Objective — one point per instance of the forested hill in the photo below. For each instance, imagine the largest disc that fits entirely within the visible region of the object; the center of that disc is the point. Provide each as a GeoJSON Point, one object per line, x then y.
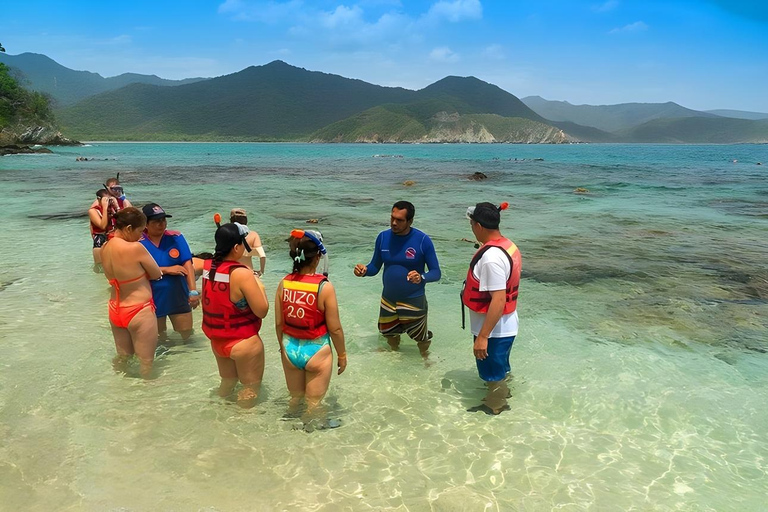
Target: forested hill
{"type": "Point", "coordinates": [271, 102]}
{"type": "Point", "coordinates": [67, 86]}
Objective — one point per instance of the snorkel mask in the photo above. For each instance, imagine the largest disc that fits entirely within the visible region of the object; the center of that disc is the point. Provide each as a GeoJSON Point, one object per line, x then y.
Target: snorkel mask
{"type": "Point", "coordinates": [243, 229]}
{"type": "Point", "coordinates": [116, 189]}
{"type": "Point", "coordinates": [317, 238]}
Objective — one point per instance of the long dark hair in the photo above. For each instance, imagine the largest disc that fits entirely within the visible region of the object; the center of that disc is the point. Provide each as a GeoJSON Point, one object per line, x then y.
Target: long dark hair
{"type": "Point", "coordinates": [302, 252]}
{"type": "Point", "coordinates": [227, 237]}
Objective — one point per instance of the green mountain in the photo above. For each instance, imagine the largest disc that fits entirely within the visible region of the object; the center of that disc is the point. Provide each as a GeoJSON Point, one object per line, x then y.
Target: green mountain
{"type": "Point", "coordinates": [739, 114]}
{"type": "Point", "coordinates": [437, 120]}
{"type": "Point", "coordinates": [700, 130]}
{"type": "Point", "coordinates": [481, 96]}
{"type": "Point", "coordinates": [67, 86]}
{"type": "Point", "coordinates": [609, 118]}
{"type": "Point", "coordinates": [281, 102]}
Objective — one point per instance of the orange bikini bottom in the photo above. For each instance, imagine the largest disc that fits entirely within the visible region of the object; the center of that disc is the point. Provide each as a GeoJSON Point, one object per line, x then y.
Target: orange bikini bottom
{"type": "Point", "coordinates": [121, 316]}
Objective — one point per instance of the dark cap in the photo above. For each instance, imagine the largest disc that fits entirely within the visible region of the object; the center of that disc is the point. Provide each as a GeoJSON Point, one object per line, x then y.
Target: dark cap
{"type": "Point", "coordinates": [154, 211]}
{"type": "Point", "coordinates": [485, 214]}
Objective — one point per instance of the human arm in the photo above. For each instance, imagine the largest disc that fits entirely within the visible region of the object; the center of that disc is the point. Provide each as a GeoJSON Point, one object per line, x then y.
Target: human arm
{"type": "Point", "coordinates": [279, 314]}
{"type": "Point", "coordinates": [375, 265]}
{"type": "Point", "coordinates": [194, 298]}
{"type": "Point", "coordinates": [100, 218]}
{"type": "Point", "coordinates": [252, 290]}
{"type": "Point", "coordinates": [147, 262]}
{"type": "Point", "coordinates": [126, 203]}
{"type": "Point", "coordinates": [433, 273]}
{"type": "Point", "coordinates": [255, 243]}
{"type": "Point", "coordinates": [492, 317]}
{"type": "Point", "coordinates": [329, 305]}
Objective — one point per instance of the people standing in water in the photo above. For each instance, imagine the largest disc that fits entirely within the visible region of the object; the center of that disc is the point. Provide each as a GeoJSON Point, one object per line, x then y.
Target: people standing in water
{"type": "Point", "coordinates": [102, 219]}
{"type": "Point", "coordinates": [404, 251]}
{"type": "Point", "coordinates": [490, 293]}
{"type": "Point", "coordinates": [234, 304]}
{"type": "Point", "coordinates": [129, 268]}
{"type": "Point", "coordinates": [306, 321]}
{"type": "Point", "coordinates": [112, 185]}
{"type": "Point", "coordinates": [254, 241]}
{"type": "Point", "coordinates": [176, 295]}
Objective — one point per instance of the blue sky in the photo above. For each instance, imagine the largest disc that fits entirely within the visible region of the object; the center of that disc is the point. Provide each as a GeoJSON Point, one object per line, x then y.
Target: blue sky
{"type": "Point", "coordinates": [703, 54]}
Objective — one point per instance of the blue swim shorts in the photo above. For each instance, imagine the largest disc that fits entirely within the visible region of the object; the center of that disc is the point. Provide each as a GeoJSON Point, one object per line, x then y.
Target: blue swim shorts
{"type": "Point", "coordinates": [496, 366]}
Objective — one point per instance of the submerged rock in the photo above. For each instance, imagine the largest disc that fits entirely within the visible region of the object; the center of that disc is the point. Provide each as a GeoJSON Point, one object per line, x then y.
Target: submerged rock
{"type": "Point", "coordinates": [478, 176]}
{"type": "Point", "coordinates": [409, 183]}
{"type": "Point", "coordinates": [581, 190]}
{"type": "Point", "coordinates": [17, 149]}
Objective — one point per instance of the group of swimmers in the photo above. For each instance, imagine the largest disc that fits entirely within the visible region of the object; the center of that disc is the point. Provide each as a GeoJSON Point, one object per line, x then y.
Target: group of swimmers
{"type": "Point", "coordinates": [153, 276]}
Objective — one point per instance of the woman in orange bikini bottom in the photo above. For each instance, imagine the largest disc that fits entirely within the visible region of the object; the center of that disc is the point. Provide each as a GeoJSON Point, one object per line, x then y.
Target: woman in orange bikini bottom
{"type": "Point", "coordinates": [121, 316]}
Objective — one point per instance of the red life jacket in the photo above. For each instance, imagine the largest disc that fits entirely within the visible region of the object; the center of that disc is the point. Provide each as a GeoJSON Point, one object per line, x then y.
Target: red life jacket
{"type": "Point", "coordinates": [478, 301]}
{"type": "Point", "coordinates": [96, 230]}
{"type": "Point", "coordinates": [222, 320]}
{"type": "Point", "coordinates": [301, 317]}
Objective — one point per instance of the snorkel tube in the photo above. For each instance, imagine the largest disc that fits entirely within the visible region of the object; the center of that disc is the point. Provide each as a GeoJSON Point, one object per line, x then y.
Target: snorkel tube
{"type": "Point", "coordinates": [243, 229]}
{"type": "Point", "coordinates": [317, 238]}
{"type": "Point", "coordinates": [217, 219]}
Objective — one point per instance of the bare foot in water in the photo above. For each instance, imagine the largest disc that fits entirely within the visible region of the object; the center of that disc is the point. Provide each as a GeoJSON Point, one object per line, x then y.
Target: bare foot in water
{"type": "Point", "coordinates": [394, 342]}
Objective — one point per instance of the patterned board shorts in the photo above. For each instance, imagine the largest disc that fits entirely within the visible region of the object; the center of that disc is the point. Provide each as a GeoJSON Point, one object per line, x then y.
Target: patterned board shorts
{"type": "Point", "coordinates": [396, 317]}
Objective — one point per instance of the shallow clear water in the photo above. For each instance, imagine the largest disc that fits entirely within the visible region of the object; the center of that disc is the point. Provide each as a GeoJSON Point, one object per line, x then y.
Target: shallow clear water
{"type": "Point", "coordinates": [640, 377]}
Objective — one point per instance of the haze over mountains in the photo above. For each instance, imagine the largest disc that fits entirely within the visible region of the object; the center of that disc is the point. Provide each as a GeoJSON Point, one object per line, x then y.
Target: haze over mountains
{"type": "Point", "coordinates": [280, 102]}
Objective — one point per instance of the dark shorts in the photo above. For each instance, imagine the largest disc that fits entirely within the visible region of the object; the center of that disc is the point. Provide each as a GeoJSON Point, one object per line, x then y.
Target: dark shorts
{"type": "Point", "coordinates": [397, 317]}
{"type": "Point", "coordinates": [496, 366]}
{"type": "Point", "coordinates": [99, 240]}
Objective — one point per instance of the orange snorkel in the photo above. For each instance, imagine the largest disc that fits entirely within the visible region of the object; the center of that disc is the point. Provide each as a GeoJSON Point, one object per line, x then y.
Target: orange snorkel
{"type": "Point", "coordinates": [217, 219]}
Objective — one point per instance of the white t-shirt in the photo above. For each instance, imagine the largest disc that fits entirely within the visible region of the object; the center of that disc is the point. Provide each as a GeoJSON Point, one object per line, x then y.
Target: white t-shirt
{"type": "Point", "coordinates": [492, 271]}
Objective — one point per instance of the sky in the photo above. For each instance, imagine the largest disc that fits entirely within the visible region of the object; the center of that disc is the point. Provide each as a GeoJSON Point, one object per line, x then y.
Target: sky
{"type": "Point", "coordinates": [705, 54]}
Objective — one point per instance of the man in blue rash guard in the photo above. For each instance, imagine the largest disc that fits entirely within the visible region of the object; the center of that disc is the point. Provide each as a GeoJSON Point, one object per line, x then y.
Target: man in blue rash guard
{"type": "Point", "coordinates": [404, 251]}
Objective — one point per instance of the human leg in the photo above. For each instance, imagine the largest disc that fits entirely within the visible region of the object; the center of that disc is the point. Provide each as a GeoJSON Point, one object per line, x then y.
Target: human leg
{"type": "Point", "coordinates": [493, 370]}
{"type": "Point", "coordinates": [318, 377]}
{"type": "Point", "coordinates": [123, 347]}
{"type": "Point", "coordinates": [182, 324]}
{"type": "Point", "coordinates": [295, 380]}
{"type": "Point", "coordinates": [413, 318]}
{"type": "Point", "coordinates": [228, 374]}
{"type": "Point", "coordinates": [162, 328]}
{"type": "Point", "coordinates": [249, 359]}
{"type": "Point", "coordinates": [143, 330]}
{"type": "Point", "coordinates": [389, 323]}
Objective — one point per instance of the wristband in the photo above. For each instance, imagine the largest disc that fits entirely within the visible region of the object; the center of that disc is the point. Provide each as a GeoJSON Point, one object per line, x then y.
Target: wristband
{"type": "Point", "coordinates": [423, 278]}
{"type": "Point", "coordinates": [194, 293]}
{"type": "Point", "coordinates": [342, 356]}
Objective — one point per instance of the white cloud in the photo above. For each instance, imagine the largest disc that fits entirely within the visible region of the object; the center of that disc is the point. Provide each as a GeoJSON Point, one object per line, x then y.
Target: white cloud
{"type": "Point", "coordinates": [119, 40]}
{"type": "Point", "coordinates": [606, 6]}
{"type": "Point", "coordinates": [457, 10]}
{"type": "Point", "coordinates": [443, 54]}
{"type": "Point", "coordinates": [637, 26]}
{"type": "Point", "coordinates": [342, 16]}
{"type": "Point", "coordinates": [494, 52]}
{"type": "Point", "coordinates": [264, 12]}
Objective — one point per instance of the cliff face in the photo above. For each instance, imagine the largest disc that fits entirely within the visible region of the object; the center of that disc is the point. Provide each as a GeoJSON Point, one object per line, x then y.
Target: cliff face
{"type": "Point", "coordinates": [45, 135]}
{"type": "Point", "coordinates": [446, 127]}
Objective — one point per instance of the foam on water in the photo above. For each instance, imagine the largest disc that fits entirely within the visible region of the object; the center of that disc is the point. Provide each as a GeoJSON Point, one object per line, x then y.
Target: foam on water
{"type": "Point", "coordinates": [639, 372]}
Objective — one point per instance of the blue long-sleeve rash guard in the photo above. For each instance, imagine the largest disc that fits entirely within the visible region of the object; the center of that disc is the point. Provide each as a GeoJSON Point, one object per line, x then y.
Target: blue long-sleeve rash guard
{"type": "Point", "coordinates": [400, 255]}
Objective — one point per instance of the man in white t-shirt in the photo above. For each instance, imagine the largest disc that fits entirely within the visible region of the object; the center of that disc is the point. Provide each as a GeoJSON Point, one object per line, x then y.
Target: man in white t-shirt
{"type": "Point", "coordinates": [490, 293]}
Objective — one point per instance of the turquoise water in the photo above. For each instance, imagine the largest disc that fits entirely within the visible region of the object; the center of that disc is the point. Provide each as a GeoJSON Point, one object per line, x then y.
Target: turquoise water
{"type": "Point", "coordinates": [640, 371]}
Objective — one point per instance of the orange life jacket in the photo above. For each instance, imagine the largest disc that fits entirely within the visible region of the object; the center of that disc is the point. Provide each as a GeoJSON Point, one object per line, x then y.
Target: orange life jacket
{"type": "Point", "coordinates": [301, 316]}
{"type": "Point", "coordinates": [478, 301]}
